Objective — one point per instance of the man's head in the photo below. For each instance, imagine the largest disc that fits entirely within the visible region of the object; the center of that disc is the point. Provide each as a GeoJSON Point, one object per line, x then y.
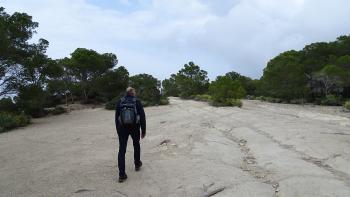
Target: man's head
{"type": "Point", "coordinates": [130, 91]}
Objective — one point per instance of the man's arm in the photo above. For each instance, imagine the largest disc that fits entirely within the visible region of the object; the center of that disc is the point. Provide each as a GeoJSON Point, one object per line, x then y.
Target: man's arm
{"type": "Point", "coordinates": [142, 114]}
{"type": "Point", "coordinates": [117, 114]}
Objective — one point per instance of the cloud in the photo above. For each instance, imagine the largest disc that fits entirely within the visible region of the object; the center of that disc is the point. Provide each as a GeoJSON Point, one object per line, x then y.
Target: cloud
{"type": "Point", "coordinates": [158, 36]}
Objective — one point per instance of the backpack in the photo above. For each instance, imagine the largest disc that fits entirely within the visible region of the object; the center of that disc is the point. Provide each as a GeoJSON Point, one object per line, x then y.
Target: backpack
{"type": "Point", "coordinates": [128, 112]}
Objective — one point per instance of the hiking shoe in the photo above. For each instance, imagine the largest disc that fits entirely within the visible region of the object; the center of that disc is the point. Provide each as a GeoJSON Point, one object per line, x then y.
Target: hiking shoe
{"type": "Point", "coordinates": [122, 178]}
{"type": "Point", "coordinates": [137, 167]}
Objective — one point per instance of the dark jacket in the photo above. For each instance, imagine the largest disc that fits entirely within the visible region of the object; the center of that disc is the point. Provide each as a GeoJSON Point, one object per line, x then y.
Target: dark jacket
{"type": "Point", "coordinates": [140, 112]}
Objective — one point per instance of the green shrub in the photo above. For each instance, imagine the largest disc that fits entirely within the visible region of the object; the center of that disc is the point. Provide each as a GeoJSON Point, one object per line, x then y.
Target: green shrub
{"type": "Point", "coordinates": [224, 88]}
{"type": "Point", "coordinates": [185, 96]}
{"type": "Point", "coordinates": [251, 97]}
{"type": "Point", "coordinates": [203, 97]}
{"type": "Point", "coordinates": [7, 105]}
{"type": "Point", "coordinates": [145, 103]}
{"type": "Point", "coordinates": [59, 110]}
{"type": "Point", "coordinates": [347, 105]}
{"type": "Point", "coordinates": [235, 102]}
{"type": "Point", "coordinates": [112, 104]}
{"type": "Point", "coordinates": [31, 99]}
{"type": "Point", "coordinates": [228, 102]}
{"type": "Point", "coordinates": [164, 101]}
{"type": "Point", "coordinates": [10, 121]}
{"type": "Point", "coordinates": [149, 103]}
{"type": "Point", "coordinates": [297, 101]}
{"type": "Point", "coordinates": [261, 98]}
{"type": "Point", "coordinates": [272, 100]}
{"type": "Point", "coordinates": [331, 100]}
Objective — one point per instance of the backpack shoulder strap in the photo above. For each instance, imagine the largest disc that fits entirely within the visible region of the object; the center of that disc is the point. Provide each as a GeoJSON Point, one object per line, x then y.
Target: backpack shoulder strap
{"type": "Point", "coordinates": [135, 104]}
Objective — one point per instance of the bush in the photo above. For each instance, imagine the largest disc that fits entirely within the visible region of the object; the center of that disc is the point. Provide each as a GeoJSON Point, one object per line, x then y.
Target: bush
{"type": "Point", "coordinates": [260, 98]}
{"type": "Point", "coordinates": [235, 102]}
{"type": "Point", "coordinates": [164, 101]}
{"type": "Point", "coordinates": [31, 100]}
{"type": "Point", "coordinates": [112, 104]}
{"type": "Point", "coordinates": [297, 101]}
{"type": "Point", "coordinates": [59, 110]}
{"type": "Point", "coordinates": [331, 100]}
{"type": "Point", "coordinates": [228, 102]}
{"type": "Point", "coordinates": [347, 105]}
{"type": "Point", "coordinates": [224, 88]}
{"type": "Point", "coordinates": [7, 105]}
{"type": "Point", "coordinates": [270, 99]}
{"type": "Point", "coordinates": [10, 121]}
{"type": "Point", "coordinates": [273, 100]}
{"type": "Point", "coordinates": [203, 97]}
{"type": "Point", "coordinates": [251, 97]}
{"type": "Point", "coordinates": [147, 89]}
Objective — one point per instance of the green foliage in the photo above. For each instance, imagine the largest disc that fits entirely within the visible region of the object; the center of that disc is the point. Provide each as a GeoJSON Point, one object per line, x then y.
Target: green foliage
{"type": "Point", "coordinates": [164, 101]}
{"type": "Point", "coordinates": [316, 73]}
{"type": "Point", "coordinates": [272, 100]}
{"type": "Point", "coordinates": [170, 87]}
{"type": "Point", "coordinates": [112, 83]}
{"type": "Point", "coordinates": [86, 66]}
{"type": "Point", "coordinates": [331, 100]}
{"type": "Point", "coordinates": [228, 102]}
{"type": "Point", "coordinates": [297, 101]}
{"type": "Point", "coordinates": [330, 77]}
{"type": "Point", "coordinates": [284, 77]}
{"type": "Point", "coordinates": [10, 120]}
{"type": "Point", "coordinates": [318, 70]}
{"type": "Point", "coordinates": [112, 104]}
{"type": "Point", "coordinates": [226, 91]}
{"type": "Point", "coordinates": [249, 85]}
{"type": "Point", "coordinates": [203, 97]}
{"type": "Point", "coordinates": [20, 61]}
{"type": "Point", "coordinates": [7, 105]}
{"type": "Point", "coordinates": [31, 99]}
{"type": "Point", "coordinates": [190, 80]}
{"type": "Point", "coordinates": [347, 105]}
{"type": "Point", "coordinates": [236, 102]}
{"type": "Point", "coordinates": [58, 110]}
{"type": "Point", "coordinates": [147, 89]}
{"type": "Point", "coordinates": [224, 88]}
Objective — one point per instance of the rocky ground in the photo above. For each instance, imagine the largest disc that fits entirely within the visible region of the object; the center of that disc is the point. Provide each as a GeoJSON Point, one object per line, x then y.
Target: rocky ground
{"type": "Point", "coordinates": [191, 149]}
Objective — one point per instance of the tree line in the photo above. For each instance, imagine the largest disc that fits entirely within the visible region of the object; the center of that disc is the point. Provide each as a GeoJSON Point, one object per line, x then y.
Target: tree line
{"type": "Point", "coordinates": [31, 82]}
{"type": "Point", "coordinates": [319, 73]}
{"type": "Point", "coordinates": [191, 82]}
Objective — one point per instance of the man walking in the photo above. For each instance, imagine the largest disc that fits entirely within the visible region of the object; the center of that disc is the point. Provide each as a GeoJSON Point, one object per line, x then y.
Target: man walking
{"type": "Point", "coordinates": [129, 119]}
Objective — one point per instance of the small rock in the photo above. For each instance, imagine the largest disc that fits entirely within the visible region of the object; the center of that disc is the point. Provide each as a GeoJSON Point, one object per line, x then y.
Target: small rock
{"type": "Point", "coordinates": [164, 142]}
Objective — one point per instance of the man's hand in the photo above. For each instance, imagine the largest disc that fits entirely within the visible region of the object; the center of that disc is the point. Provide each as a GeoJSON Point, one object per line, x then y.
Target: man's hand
{"type": "Point", "coordinates": [143, 135]}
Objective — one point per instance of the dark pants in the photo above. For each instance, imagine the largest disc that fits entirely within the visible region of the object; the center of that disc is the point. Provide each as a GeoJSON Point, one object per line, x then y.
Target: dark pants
{"type": "Point", "coordinates": [123, 134]}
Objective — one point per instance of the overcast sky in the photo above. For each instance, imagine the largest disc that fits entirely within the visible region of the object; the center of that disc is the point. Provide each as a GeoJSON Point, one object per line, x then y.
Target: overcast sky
{"type": "Point", "coordinates": [159, 36]}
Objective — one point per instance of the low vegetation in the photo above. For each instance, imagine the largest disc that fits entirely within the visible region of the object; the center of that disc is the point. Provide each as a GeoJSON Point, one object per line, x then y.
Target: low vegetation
{"type": "Point", "coordinates": [332, 100]}
{"type": "Point", "coordinates": [191, 82]}
{"type": "Point", "coordinates": [203, 97]}
{"type": "Point", "coordinates": [164, 100]}
{"type": "Point", "coordinates": [10, 120]}
{"type": "Point", "coordinates": [347, 105]}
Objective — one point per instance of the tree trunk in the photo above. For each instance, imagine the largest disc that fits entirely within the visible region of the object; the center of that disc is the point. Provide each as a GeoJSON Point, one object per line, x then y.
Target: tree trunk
{"type": "Point", "coordinates": [85, 95]}
{"type": "Point", "coordinates": [65, 94]}
{"type": "Point", "coordinates": [71, 97]}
